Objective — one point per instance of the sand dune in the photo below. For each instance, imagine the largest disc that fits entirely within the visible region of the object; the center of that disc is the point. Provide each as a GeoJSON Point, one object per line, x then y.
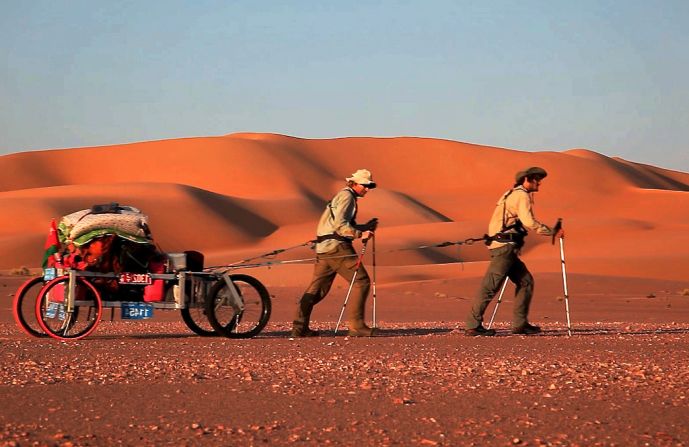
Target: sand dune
{"type": "Point", "coordinates": [243, 194]}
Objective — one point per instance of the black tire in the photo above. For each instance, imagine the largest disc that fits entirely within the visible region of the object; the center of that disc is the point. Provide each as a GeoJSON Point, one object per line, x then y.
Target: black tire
{"type": "Point", "coordinates": [196, 320]}
{"type": "Point", "coordinates": [24, 306]}
{"type": "Point", "coordinates": [234, 323]}
{"type": "Point", "coordinates": [61, 324]}
{"type": "Point", "coordinates": [194, 314]}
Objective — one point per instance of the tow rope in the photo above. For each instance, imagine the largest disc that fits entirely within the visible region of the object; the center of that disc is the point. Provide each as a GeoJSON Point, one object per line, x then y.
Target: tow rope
{"type": "Point", "coordinates": [470, 241]}
{"type": "Point", "coordinates": [271, 263]}
{"type": "Point", "coordinates": [272, 254]}
{"type": "Point", "coordinates": [246, 263]}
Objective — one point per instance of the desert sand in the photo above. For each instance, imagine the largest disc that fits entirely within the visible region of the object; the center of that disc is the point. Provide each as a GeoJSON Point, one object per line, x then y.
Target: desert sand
{"type": "Point", "coordinates": [619, 380]}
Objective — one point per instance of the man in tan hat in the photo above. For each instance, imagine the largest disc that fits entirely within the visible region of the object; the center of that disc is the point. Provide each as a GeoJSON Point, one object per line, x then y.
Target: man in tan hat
{"type": "Point", "coordinates": [512, 217]}
{"type": "Point", "coordinates": [336, 230]}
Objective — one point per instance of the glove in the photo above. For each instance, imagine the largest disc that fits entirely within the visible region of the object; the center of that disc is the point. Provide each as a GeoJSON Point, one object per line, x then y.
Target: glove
{"type": "Point", "coordinates": [556, 229]}
{"type": "Point", "coordinates": [371, 225]}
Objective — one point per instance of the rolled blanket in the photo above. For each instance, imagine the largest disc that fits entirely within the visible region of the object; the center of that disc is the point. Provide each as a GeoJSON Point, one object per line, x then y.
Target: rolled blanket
{"type": "Point", "coordinates": [82, 226]}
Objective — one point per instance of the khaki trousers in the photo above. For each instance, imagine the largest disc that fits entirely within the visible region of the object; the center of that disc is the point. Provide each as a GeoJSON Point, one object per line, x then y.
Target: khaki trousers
{"type": "Point", "coordinates": [504, 262]}
{"type": "Point", "coordinates": [342, 260]}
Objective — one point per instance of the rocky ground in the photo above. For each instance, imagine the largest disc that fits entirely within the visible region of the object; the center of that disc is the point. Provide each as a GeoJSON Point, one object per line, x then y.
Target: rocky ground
{"type": "Point", "coordinates": [614, 382]}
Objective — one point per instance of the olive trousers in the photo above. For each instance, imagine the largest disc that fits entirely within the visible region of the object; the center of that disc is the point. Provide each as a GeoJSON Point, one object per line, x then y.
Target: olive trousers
{"type": "Point", "coordinates": [504, 262]}
{"type": "Point", "coordinates": [341, 260]}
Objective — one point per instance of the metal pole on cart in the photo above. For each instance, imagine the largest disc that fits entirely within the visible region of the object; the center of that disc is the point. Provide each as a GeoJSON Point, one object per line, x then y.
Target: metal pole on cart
{"type": "Point", "coordinates": [351, 284]}
{"type": "Point", "coordinates": [71, 291]}
{"type": "Point", "coordinates": [495, 310]}
{"type": "Point", "coordinates": [69, 301]}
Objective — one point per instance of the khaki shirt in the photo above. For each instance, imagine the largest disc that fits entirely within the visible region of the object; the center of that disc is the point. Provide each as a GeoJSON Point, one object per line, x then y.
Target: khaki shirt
{"type": "Point", "coordinates": [338, 218]}
{"type": "Point", "coordinates": [515, 204]}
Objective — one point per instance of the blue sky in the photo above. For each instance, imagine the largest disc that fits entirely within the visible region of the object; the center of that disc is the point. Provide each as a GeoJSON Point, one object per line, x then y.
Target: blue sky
{"type": "Point", "coordinates": [610, 76]}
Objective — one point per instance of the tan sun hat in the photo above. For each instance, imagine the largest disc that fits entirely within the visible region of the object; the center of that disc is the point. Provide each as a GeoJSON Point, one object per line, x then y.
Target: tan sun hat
{"type": "Point", "coordinates": [534, 170]}
{"type": "Point", "coordinates": [362, 177]}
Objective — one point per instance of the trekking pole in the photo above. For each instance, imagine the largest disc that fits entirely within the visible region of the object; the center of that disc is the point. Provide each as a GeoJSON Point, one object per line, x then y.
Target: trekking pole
{"type": "Point", "coordinates": [564, 284]}
{"type": "Point", "coordinates": [351, 284]}
{"type": "Point", "coordinates": [374, 280]}
{"type": "Point", "coordinates": [556, 229]}
{"type": "Point", "coordinates": [495, 310]}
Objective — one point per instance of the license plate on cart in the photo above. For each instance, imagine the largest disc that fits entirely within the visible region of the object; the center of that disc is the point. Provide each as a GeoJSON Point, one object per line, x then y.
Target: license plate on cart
{"type": "Point", "coordinates": [49, 273]}
{"type": "Point", "coordinates": [135, 278]}
{"type": "Point", "coordinates": [136, 311]}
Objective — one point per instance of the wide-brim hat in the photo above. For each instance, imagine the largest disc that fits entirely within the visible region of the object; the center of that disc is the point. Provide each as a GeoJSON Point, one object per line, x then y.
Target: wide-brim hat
{"type": "Point", "coordinates": [363, 177]}
{"type": "Point", "coordinates": [532, 171]}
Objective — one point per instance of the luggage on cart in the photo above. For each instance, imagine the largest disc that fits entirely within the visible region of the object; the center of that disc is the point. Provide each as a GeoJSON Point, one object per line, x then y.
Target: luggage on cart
{"type": "Point", "coordinates": [111, 238]}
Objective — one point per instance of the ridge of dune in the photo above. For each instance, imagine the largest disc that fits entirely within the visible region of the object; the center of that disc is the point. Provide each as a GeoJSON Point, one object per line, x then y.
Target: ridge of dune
{"type": "Point", "coordinates": [237, 195]}
{"type": "Point", "coordinates": [651, 177]}
{"type": "Point", "coordinates": [584, 153]}
{"type": "Point", "coordinates": [204, 162]}
{"type": "Point", "coordinates": [636, 174]}
{"type": "Point", "coordinates": [264, 136]}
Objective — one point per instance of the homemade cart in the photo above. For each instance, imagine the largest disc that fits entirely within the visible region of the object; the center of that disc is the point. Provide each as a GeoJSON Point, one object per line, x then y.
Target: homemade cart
{"type": "Point", "coordinates": [111, 268]}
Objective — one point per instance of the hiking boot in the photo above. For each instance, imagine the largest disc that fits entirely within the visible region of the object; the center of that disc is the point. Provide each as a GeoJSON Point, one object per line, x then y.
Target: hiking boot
{"type": "Point", "coordinates": [527, 329]}
{"type": "Point", "coordinates": [364, 331]}
{"type": "Point", "coordinates": [479, 331]}
{"type": "Point", "coordinates": [305, 332]}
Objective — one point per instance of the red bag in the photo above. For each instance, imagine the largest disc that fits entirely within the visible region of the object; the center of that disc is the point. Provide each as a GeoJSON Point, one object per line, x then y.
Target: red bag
{"type": "Point", "coordinates": [155, 290]}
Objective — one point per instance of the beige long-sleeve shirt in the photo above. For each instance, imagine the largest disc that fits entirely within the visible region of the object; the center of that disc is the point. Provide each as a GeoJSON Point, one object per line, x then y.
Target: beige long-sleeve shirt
{"type": "Point", "coordinates": [515, 204]}
{"type": "Point", "coordinates": [338, 218]}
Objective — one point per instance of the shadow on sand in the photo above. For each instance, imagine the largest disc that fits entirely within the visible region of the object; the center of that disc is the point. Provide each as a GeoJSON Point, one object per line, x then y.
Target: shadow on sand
{"type": "Point", "coordinates": [381, 333]}
{"type": "Point", "coordinates": [417, 332]}
{"type": "Point", "coordinates": [411, 332]}
{"type": "Point", "coordinates": [141, 336]}
{"type": "Point", "coordinates": [598, 331]}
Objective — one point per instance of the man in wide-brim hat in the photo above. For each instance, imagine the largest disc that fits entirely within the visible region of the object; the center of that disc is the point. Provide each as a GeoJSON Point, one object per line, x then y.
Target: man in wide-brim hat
{"type": "Point", "coordinates": [337, 229]}
{"type": "Point", "coordinates": [509, 225]}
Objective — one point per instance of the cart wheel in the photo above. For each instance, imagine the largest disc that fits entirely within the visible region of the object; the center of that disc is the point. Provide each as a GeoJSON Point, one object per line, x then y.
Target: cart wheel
{"type": "Point", "coordinates": [194, 315]}
{"type": "Point", "coordinates": [244, 317]}
{"type": "Point", "coordinates": [195, 318]}
{"type": "Point", "coordinates": [52, 314]}
{"type": "Point", "coordinates": [24, 306]}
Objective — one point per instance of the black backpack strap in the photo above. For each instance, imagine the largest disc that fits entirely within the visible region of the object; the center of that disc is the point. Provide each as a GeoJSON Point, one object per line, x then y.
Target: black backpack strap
{"type": "Point", "coordinates": [504, 210]}
{"type": "Point", "coordinates": [518, 226]}
{"type": "Point", "coordinates": [335, 236]}
{"type": "Point", "coordinates": [504, 236]}
{"type": "Point", "coordinates": [330, 205]}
